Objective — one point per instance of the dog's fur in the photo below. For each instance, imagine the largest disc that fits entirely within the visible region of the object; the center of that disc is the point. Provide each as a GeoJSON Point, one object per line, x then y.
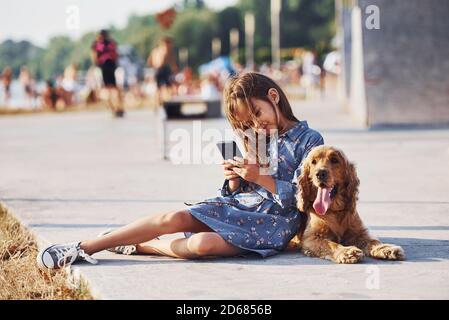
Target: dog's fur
{"type": "Point", "coordinates": [339, 235]}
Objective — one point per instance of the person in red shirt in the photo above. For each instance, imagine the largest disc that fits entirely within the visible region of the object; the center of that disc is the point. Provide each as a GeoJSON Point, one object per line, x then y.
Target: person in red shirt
{"type": "Point", "coordinates": [105, 56]}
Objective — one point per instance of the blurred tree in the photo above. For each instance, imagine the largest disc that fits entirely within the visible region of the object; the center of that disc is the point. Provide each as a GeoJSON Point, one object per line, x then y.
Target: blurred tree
{"type": "Point", "coordinates": [304, 23]}
{"type": "Point", "coordinates": [80, 54]}
{"type": "Point", "coordinates": [307, 23]}
{"type": "Point", "coordinates": [262, 36]}
{"type": "Point", "coordinates": [142, 32]}
{"type": "Point", "coordinates": [194, 29]}
{"type": "Point", "coordinates": [56, 56]}
{"type": "Point", "coordinates": [229, 18]}
{"type": "Point", "coordinates": [17, 54]}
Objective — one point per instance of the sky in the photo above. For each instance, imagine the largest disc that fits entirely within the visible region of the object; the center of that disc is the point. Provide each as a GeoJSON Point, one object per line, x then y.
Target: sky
{"type": "Point", "coordinates": [39, 20]}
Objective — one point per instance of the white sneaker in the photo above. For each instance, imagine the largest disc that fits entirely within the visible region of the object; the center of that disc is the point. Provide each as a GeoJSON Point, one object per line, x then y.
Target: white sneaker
{"type": "Point", "coordinates": [62, 255]}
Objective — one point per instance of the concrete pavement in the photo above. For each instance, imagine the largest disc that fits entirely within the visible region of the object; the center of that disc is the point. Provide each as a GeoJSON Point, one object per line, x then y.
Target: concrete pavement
{"type": "Point", "coordinates": [69, 176]}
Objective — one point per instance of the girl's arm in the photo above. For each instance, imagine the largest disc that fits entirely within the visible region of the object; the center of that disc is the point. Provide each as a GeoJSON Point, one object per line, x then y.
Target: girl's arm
{"type": "Point", "coordinates": [234, 184]}
{"type": "Point", "coordinates": [267, 182]}
{"type": "Point", "coordinates": [233, 180]}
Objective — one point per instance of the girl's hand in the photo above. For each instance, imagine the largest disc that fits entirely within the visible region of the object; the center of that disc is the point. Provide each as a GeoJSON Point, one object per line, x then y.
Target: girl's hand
{"type": "Point", "coordinates": [248, 170]}
{"type": "Point", "coordinates": [229, 174]}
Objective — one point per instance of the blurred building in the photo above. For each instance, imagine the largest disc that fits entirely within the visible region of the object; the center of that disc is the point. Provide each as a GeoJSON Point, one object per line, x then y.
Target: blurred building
{"type": "Point", "coordinates": [398, 73]}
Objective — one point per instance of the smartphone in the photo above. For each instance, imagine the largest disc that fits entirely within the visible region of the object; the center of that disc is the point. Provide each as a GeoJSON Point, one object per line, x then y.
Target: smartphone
{"type": "Point", "coordinates": [229, 149]}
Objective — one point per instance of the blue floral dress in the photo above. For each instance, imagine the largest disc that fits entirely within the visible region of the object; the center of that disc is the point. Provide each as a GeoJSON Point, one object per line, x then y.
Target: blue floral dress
{"type": "Point", "coordinates": [251, 217]}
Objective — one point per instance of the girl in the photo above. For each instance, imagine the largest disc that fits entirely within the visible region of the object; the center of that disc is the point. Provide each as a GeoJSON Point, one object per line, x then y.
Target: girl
{"type": "Point", "coordinates": [255, 212]}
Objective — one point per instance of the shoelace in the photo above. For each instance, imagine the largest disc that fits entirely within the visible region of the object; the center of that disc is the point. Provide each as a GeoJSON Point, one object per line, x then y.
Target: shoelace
{"type": "Point", "coordinates": [127, 250]}
{"type": "Point", "coordinates": [87, 257]}
{"type": "Point", "coordinates": [72, 253]}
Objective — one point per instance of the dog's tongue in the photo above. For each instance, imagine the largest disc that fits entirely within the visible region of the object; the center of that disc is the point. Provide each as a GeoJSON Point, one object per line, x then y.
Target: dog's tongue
{"type": "Point", "coordinates": [322, 201]}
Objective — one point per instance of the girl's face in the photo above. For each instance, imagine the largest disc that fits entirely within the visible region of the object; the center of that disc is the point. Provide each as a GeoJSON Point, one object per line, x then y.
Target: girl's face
{"type": "Point", "coordinates": [265, 114]}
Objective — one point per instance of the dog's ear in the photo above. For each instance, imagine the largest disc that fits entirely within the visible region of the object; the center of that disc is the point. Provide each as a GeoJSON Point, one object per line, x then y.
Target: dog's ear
{"type": "Point", "coordinates": [351, 186]}
{"type": "Point", "coordinates": [305, 188]}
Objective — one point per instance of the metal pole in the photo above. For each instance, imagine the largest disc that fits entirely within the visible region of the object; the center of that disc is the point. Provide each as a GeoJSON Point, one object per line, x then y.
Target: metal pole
{"type": "Point", "coordinates": [249, 40]}
{"type": "Point", "coordinates": [234, 43]}
{"type": "Point", "coordinates": [275, 34]}
{"type": "Point", "coordinates": [184, 56]}
{"type": "Point", "coordinates": [216, 47]}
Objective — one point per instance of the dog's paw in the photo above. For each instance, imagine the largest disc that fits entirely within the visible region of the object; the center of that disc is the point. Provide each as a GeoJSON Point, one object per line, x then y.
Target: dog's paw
{"type": "Point", "coordinates": [388, 252]}
{"type": "Point", "coordinates": [294, 244]}
{"type": "Point", "coordinates": [307, 252]}
{"type": "Point", "coordinates": [349, 255]}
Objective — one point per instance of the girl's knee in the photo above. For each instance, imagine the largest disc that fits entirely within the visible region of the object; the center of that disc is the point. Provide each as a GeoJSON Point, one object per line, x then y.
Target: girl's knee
{"type": "Point", "coordinates": [203, 243]}
{"type": "Point", "coordinates": [175, 219]}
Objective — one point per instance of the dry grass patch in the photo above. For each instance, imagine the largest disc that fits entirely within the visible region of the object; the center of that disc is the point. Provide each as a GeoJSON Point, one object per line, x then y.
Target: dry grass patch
{"type": "Point", "coordinates": [20, 278]}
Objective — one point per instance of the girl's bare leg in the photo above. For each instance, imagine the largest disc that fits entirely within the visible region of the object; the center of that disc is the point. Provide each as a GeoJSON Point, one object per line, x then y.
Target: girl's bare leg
{"type": "Point", "coordinates": [146, 229]}
{"type": "Point", "coordinates": [116, 100]}
{"type": "Point", "coordinates": [198, 245]}
{"type": "Point", "coordinates": [110, 99]}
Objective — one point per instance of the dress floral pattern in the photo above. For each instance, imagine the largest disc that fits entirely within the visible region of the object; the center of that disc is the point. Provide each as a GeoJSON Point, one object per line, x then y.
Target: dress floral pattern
{"type": "Point", "coordinates": [251, 217]}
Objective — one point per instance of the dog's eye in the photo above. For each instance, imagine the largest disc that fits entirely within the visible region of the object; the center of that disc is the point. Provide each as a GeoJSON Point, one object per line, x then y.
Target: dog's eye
{"type": "Point", "coordinates": [334, 160]}
{"type": "Point", "coordinates": [313, 161]}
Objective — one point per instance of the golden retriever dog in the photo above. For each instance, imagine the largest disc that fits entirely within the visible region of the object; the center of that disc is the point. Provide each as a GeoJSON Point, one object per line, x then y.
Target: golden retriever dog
{"type": "Point", "coordinates": [328, 191]}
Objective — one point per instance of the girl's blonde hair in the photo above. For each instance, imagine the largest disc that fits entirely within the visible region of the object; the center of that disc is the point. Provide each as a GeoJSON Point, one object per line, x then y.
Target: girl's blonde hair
{"type": "Point", "coordinates": [245, 86]}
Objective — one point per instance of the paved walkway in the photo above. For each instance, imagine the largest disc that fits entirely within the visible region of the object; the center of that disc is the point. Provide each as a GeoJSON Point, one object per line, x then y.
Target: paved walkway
{"type": "Point", "coordinates": [69, 176]}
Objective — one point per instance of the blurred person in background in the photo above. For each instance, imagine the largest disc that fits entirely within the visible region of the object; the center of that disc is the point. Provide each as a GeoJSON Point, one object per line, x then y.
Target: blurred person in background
{"type": "Point", "coordinates": [149, 88]}
{"type": "Point", "coordinates": [69, 84]}
{"type": "Point", "coordinates": [163, 60]}
{"type": "Point", "coordinates": [6, 78]}
{"type": "Point", "coordinates": [28, 85]}
{"type": "Point", "coordinates": [311, 75]}
{"type": "Point", "coordinates": [211, 87]}
{"type": "Point", "coordinates": [186, 83]}
{"type": "Point", "coordinates": [93, 85]}
{"type": "Point", "coordinates": [105, 56]}
{"type": "Point", "coordinates": [49, 95]}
